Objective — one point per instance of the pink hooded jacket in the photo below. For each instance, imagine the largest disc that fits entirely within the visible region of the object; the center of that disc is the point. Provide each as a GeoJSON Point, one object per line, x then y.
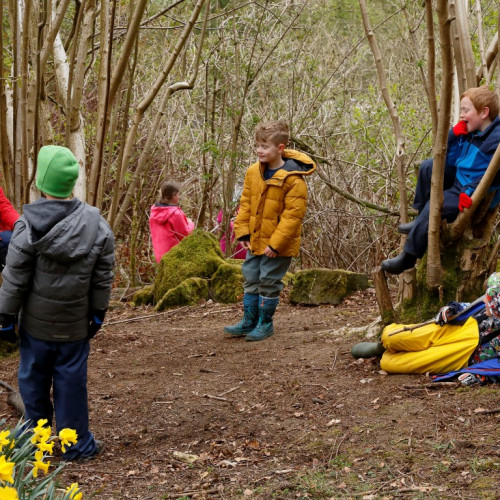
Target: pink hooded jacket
{"type": "Point", "coordinates": [239, 252]}
{"type": "Point", "coordinates": [168, 225]}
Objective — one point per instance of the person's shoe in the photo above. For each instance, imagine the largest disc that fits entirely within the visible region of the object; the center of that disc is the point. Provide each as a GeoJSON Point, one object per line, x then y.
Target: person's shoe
{"type": "Point", "coordinates": [406, 228]}
{"type": "Point", "coordinates": [99, 447]}
{"type": "Point", "coordinates": [399, 264]}
{"type": "Point", "coordinates": [264, 327]}
{"type": "Point", "coordinates": [367, 350]}
{"type": "Point", "coordinates": [250, 317]}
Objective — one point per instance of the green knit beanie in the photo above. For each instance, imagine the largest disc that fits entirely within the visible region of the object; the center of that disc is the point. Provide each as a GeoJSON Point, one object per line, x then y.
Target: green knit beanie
{"type": "Point", "coordinates": [57, 171]}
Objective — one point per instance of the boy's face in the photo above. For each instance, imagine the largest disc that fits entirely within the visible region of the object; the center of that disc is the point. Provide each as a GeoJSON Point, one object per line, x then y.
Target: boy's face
{"type": "Point", "coordinates": [268, 152]}
{"type": "Point", "coordinates": [475, 120]}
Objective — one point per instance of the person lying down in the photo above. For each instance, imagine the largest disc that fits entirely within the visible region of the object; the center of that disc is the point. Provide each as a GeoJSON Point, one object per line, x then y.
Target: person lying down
{"type": "Point", "coordinates": [455, 345]}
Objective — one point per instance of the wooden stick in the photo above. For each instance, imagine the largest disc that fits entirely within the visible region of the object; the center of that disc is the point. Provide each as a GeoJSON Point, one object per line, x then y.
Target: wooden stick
{"type": "Point", "coordinates": [432, 385]}
{"type": "Point", "coordinates": [218, 398]}
{"type": "Point", "coordinates": [487, 412]}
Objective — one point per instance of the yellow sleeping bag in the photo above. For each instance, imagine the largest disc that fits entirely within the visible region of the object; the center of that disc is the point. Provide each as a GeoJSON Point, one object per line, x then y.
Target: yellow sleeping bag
{"type": "Point", "coordinates": [430, 348]}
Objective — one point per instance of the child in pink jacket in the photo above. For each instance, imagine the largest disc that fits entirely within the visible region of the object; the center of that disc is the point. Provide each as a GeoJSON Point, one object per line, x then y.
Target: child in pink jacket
{"type": "Point", "coordinates": [167, 222]}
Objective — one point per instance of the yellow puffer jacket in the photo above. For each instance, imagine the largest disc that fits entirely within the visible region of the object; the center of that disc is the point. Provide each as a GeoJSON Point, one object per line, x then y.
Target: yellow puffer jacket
{"type": "Point", "coordinates": [271, 211]}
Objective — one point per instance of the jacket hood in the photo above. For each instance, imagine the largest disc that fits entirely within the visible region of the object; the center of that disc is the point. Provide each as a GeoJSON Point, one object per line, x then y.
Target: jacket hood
{"type": "Point", "coordinates": [61, 230]}
{"type": "Point", "coordinates": [162, 213]}
{"type": "Point", "coordinates": [296, 163]}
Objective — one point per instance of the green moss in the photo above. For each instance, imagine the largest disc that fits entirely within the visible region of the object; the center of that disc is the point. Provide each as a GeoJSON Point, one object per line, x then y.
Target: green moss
{"type": "Point", "coordinates": [198, 255]}
{"type": "Point", "coordinates": [289, 279]}
{"type": "Point", "coordinates": [144, 296]}
{"type": "Point", "coordinates": [426, 302]}
{"type": "Point", "coordinates": [189, 292]}
{"type": "Point", "coordinates": [7, 349]}
{"type": "Point", "coordinates": [227, 284]}
{"type": "Point", "coordinates": [325, 286]}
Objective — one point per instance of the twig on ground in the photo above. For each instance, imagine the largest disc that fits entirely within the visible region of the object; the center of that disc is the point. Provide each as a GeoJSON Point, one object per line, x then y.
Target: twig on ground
{"type": "Point", "coordinates": [432, 385]}
{"type": "Point", "coordinates": [334, 360]}
{"type": "Point", "coordinates": [487, 412]}
{"type": "Point", "coordinates": [139, 318]}
{"type": "Point", "coordinates": [218, 398]}
{"type": "Point", "coordinates": [230, 390]}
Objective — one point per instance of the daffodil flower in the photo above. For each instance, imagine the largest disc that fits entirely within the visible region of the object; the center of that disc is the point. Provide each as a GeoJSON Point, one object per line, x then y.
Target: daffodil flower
{"type": "Point", "coordinates": [45, 446]}
{"type": "Point", "coordinates": [67, 437]}
{"type": "Point", "coordinates": [41, 432]}
{"type": "Point", "coordinates": [8, 493]}
{"type": "Point", "coordinates": [4, 441]}
{"type": "Point", "coordinates": [74, 492]}
{"type": "Point", "coordinates": [6, 470]}
{"type": "Point", "coordinates": [39, 464]}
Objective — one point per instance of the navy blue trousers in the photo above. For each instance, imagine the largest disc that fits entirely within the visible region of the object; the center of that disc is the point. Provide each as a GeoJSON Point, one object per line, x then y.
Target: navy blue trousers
{"type": "Point", "coordinates": [416, 243]}
{"type": "Point", "coordinates": [62, 366]}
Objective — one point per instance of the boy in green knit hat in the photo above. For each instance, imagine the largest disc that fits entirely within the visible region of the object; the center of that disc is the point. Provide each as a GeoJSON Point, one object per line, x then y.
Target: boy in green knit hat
{"type": "Point", "coordinates": [58, 279]}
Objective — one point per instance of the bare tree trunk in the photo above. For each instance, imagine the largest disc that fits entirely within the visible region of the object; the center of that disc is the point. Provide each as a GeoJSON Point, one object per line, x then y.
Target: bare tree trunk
{"type": "Point", "coordinates": [103, 88]}
{"type": "Point", "coordinates": [434, 268]}
{"type": "Point", "coordinates": [145, 104]}
{"type": "Point", "coordinates": [396, 122]}
{"type": "Point", "coordinates": [462, 49]}
{"type": "Point", "coordinates": [431, 66]}
{"type": "Point", "coordinates": [482, 71]}
{"type": "Point", "coordinates": [4, 141]}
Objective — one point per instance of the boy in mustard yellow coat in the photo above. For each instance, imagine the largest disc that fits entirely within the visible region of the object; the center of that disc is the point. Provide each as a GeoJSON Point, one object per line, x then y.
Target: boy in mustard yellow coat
{"type": "Point", "coordinates": [269, 222]}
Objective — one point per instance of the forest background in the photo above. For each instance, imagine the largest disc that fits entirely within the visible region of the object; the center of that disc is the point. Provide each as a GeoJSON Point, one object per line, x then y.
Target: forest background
{"type": "Point", "coordinates": [151, 90]}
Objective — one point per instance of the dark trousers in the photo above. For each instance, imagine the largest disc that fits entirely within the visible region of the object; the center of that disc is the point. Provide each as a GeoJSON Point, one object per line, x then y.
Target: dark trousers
{"type": "Point", "coordinates": [4, 246]}
{"type": "Point", "coordinates": [416, 243]}
{"type": "Point", "coordinates": [263, 275]}
{"type": "Point", "coordinates": [62, 366]}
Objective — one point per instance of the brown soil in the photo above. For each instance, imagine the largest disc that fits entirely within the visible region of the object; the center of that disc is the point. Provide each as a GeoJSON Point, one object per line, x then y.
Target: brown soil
{"type": "Point", "coordinates": [294, 416]}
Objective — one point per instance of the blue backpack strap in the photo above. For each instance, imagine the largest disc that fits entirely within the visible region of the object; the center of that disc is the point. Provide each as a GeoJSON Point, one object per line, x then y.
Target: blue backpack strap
{"type": "Point", "coordinates": [470, 311]}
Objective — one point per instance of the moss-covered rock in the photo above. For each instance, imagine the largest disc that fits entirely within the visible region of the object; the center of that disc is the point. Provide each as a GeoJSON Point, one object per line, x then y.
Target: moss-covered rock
{"type": "Point", "coordinates": [325, 286]}
{"type": "Point", "coordinates": [197, 255]}
{"type": "Point", "coordinates": [227, 284]}
{"type": "Point", "coordinates": [188, 292]}
{"type": "Point", "coordinates": [144, 296]}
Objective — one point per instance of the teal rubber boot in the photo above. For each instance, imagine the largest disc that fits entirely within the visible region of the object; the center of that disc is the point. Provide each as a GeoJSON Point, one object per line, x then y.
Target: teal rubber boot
{"type": "Point", "coordinates": [264, 327]}
{"type": "Point", "coordinates": [250, 317]}
{"type": "Point", "coordinates": [367, 350]}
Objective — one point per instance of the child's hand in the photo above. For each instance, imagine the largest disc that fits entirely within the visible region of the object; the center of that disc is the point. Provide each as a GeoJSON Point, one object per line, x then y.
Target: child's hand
{"type": "Point", "coordinates": [460, 128]}
{"type": "Point", "coordinates": [464, 201]}
{"type": "Point", "coordinates": [96, 318]}
{"type": "Point", "coordinates": [246, 245]}
{"type": "Point", "coordinates": [269, 252]}
{"type": "Point", "coordinates": [8, 328]}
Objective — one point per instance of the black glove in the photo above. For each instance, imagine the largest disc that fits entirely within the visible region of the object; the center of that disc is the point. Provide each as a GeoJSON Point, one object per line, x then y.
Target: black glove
{"type": "Point", "coordinates": [96, 317]}
{"type": "Point", "coordinates": [8, 328]}
{"type": "Point", "coordinates": [447, 312]}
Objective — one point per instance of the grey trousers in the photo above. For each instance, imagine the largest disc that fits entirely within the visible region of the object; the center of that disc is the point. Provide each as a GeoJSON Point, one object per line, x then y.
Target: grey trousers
{"type": "Point", "coordinates": [263, 275]}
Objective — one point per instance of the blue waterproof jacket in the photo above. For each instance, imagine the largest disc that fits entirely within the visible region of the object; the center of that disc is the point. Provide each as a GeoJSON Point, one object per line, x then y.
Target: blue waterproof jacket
{"type": "Point", "coordinates": [471, 154]}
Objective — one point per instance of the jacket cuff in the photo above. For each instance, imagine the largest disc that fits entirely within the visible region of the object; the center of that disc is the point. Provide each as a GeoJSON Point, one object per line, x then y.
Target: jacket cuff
{"type": "Point", "coordinates": [246, 237]}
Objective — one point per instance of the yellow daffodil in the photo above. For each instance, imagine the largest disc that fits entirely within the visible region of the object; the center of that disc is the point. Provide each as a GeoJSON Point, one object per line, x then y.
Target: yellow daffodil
{"type": "Point", "coordinates": [45, 446]}
{"type": "Point", "coordinates": [39, 464]}
{"type": "Point", "coordinates": [67, 437]}
{"type": "Point", "coordinates": [4, 439]}
{"type": "Point", "coordinates": [6, 470]}
{"type": "Point", "coordinates": [8, 493]}
{"type": "Point", "coordinates": [41, 432]}
{"type": "Point", "coordinates": [74, 492]}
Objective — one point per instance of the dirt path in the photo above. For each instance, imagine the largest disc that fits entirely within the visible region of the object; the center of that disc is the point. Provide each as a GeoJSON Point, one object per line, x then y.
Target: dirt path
{"type": "Point", "coordinates": [290, 417]}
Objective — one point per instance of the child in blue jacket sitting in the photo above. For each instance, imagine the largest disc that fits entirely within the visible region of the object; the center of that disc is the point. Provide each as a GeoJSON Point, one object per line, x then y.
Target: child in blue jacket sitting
{"type": "Point", "coordinates": [471, 145]}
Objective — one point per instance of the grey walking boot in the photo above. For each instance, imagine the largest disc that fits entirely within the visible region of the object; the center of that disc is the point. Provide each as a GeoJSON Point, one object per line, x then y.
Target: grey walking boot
{"type": "Point", "coordinates": [406, 228]}
{"type": "Point", "coordinates": [367, 350]}
{"type": "Point", "coordinates": [250, 317]}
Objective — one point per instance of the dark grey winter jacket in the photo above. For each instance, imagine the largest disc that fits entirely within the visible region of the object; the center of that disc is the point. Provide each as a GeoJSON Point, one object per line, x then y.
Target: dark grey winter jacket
{"type": "Point", "coordinates": [59, 267]}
